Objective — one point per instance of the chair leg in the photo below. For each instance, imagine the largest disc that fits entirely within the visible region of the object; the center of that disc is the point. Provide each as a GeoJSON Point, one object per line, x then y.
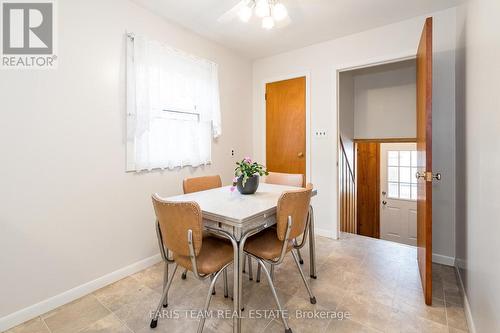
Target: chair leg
{"type": "Point", "coordinates": [184, 274]}
{"type": "Point", "coordinates": [300, 257]}
{"type": "Point", "coordinates": [226, 294]}
{"type": "Point", "coordinates": [258, 274]}
{"type": "Point", "coordinates": [311, 296]}
{"type": "Point", "coordinates": [213, 280]}
{"type": "Point", "coordinates": [244, 261]}
{"type": "Point", "coordinates": [273, 290]}
{"type": "Point", "coordinates": [154, 321]}
{"type": "Point", "coordinates": [272, 272]}
{"type": "Point", "coordinates": [213, 289]}
{"type": "Point", "coordinates": [165, 282]}
{"type": "Point", "coordinates": [250, 269]}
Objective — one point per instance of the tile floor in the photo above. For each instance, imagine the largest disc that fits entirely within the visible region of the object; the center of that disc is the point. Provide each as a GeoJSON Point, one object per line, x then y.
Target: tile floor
{"type": "Point", "coordinates": [375, 281]}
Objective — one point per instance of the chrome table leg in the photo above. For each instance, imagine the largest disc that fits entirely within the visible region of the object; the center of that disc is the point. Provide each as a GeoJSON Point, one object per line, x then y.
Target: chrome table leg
{"type": "Point", "coordinates": [312, 245]}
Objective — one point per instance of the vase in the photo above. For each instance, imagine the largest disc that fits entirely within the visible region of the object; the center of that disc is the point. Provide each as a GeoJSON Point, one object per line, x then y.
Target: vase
{"type": "Point", "coordinates": [251, 185]}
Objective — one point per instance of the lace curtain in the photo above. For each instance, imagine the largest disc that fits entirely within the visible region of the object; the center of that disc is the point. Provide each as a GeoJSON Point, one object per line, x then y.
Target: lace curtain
{"type": "Point", "coordinates": [173, 108]}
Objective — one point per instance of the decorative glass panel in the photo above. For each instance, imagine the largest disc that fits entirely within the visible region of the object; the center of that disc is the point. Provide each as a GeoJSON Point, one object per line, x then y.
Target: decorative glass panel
{"type": "Point", "coordinates": [414, 158]}
{"type": "Point", "coordinates": [392, 158]}
{"type": "Point", "coordinates": [414, 192]}
{"type": "Point", "coordinates": [401, 170]}
{"type": "Point", "coordinates": [405, 175]}
{"type": "Point", "coordinates": [393, 190]}
{"type": "Point", "coordinates": [404, 191]}
{"type": "Point", "coordinates": [405, 158]}
{"type": "Point", "coordinates": [393, 174]}
{"type": "Point", "coordinates": [413, 175]}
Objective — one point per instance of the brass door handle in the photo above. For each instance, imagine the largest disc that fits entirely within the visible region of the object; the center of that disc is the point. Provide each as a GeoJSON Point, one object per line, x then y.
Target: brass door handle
{"type": "Point", "coordinates": [301, 154]}
{"type": "Point", "coordinates": [428, 176]}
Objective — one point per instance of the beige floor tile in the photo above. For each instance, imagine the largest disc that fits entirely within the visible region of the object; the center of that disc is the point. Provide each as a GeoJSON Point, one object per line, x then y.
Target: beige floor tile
{"type": "Point", "coordinates": [120, 293]}
{"type": "Point", "coordinates": [436, 312]}
{"type": "Point", "coordinates": [274, 326]}
{"type": "Point", "coordinates": [376, 281]}
{"type": "Point", "coordinates": [32, 326]}
{"type": "Point", "coordinates": [306, 317]}
{"type": "Point", "coordinates": [138, 312]}
{"type": "Point", "coordinates": [347, 326]}
{"type": "Point", "coordinates": [75, 315]}
{"type": "Point", "coordinates": [171, 326]}
{"type": "Point", "coordinates": [456, 316]}
{"type": "Point", "coordinates": [108, 324]}
{"type": "Point", "coordinates": [369, 312]}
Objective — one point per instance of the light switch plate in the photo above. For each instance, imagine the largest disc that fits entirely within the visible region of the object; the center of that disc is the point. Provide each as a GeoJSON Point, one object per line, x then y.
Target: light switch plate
{"type": "Point", "coordinates": [320, 133]}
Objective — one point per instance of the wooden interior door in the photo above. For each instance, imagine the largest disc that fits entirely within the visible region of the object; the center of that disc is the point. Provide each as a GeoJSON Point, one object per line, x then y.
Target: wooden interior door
{"type": "Point", "coordinates": [424, 159]}
{"type": "Point", "coordinates": [286, 126]}
{"type": "Point", "coordinates": [368, 188]}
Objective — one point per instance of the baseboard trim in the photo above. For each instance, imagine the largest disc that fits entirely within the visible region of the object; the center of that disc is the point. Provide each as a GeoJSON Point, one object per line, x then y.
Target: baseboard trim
{"type": "Point", "coordinates": [443, 260]}
{"type": "Point", "coordinates": [70, 295]}
{"type": "Point", "coordinates": [325, 233]}
{"type": "Point", "coordinates": [468, 312]}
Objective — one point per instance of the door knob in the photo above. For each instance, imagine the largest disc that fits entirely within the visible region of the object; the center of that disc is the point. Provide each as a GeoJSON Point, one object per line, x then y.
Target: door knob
{"type": "Point", "coordinates": [301, 154]}
{"type": "Point", "coordinates": [428, 176]}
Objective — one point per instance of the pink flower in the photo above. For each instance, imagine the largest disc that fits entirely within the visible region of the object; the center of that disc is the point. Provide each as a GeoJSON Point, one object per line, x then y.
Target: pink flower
{"type": "Point", "coordinates": [232, 188]}
{"type": "Point", "coordinates": [247, 159]}
{"type": "Point", "coordinates": [235, 180]}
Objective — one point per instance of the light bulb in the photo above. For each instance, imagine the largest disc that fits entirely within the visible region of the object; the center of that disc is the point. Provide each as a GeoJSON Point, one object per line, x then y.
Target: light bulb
{"type": "Point", "coordinates": [279, 12]}
{"type": "Point", "coordinates": [245, 13]}
{"type": "Point", "coordinates": [267, 22]}
{"type": "Point", "coordinates": [262, 8]}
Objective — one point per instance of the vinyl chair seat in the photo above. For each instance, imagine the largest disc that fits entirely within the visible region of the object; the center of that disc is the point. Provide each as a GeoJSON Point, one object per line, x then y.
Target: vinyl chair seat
{"type": "Point", "coordinates": [214, 254]}
{"type": "Point", "coordinates": [266, 244]}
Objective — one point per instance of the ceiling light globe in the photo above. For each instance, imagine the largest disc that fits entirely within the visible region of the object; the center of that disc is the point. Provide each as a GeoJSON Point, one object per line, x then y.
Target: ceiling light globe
{"type": "Point", "coordinates": [245, 13]}
{"type": "Point", "coordinates": [279, 12]}
{"type": "Point", "coordinates": [262, 8]}
{"type": "Point", "coordinates": [267, 22]}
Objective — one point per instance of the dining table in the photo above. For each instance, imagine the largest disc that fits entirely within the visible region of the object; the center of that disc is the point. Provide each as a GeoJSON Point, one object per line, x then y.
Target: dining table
{"type": "Point", "coordinates": [239, 216]}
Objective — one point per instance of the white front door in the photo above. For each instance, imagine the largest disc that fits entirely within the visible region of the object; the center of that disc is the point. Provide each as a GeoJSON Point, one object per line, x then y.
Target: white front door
{"type": "Point", "coordinates": [398, 186]}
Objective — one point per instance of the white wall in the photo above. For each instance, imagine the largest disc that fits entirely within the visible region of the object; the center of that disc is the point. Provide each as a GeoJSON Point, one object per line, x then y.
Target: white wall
{"type": "Point", "coordinates": [391, 41]}
{"type": "Point", "coordinates": [69, 213]}
{"type": "Point", "coordinates": [346, 114]}
{"type": "Point", "coordinates": [478, 158]}
{"type": "Point", "coordinates": [385, 101]}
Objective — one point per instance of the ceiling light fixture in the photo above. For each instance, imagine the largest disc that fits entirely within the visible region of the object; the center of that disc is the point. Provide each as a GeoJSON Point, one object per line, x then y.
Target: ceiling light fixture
{"type": "Point", "coordinates": [267, 22]}
{"type": "Point", "coordinates": [269, 10]}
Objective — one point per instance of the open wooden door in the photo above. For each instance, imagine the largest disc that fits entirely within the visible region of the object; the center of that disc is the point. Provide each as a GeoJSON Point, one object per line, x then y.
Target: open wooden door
{"type": "Point", "coordinates": [424, 159]}
{"type": "Point", "coordinates": [286, 126]}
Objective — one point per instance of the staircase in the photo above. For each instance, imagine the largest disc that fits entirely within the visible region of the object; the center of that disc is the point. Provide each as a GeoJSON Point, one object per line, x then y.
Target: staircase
{"type": "Point", "coordinates": [347, 193]}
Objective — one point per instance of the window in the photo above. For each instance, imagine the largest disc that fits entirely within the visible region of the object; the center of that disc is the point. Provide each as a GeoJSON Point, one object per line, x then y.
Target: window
{"type": "Point", "coordinates": [173, 109]}
{"type": "Point", "coordinates": [401, 170]}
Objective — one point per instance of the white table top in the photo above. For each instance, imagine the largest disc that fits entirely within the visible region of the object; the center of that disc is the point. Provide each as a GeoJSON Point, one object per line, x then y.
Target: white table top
{"type": "Point", "coordinates": [222, 204]}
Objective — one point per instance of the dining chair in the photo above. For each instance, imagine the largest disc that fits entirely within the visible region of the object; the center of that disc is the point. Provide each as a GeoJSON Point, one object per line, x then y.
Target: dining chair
{"type": "Point", "coordinates": [278, 178]}
{"type": "Point", "coordinates": [290, 179]}
{"type": "Point", "coordinates": [183, 243]}
{"type": "Point", "coordinates": [197, 184]}
{"type": "Point", "coordinates": [272, 245]}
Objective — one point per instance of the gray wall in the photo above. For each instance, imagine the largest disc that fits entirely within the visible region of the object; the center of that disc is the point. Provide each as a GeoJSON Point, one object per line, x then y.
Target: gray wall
{"type": "Point", "coordinates": [478, 160]}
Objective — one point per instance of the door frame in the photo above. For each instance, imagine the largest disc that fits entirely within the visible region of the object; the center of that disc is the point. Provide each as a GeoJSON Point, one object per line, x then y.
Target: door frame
{"type": "Point", "coordinates": [262, 98]}
{"type": "Point", "coordinates": [337, 69]}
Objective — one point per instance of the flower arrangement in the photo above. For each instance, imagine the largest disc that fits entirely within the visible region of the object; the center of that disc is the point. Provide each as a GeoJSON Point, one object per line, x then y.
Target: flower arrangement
{"type": "Point", "coordinates": [246, 169]}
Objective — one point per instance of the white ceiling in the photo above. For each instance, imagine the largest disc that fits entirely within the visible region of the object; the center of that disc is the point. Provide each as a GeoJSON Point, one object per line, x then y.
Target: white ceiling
{"type": "Point", "coordinates": [312, 21]}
